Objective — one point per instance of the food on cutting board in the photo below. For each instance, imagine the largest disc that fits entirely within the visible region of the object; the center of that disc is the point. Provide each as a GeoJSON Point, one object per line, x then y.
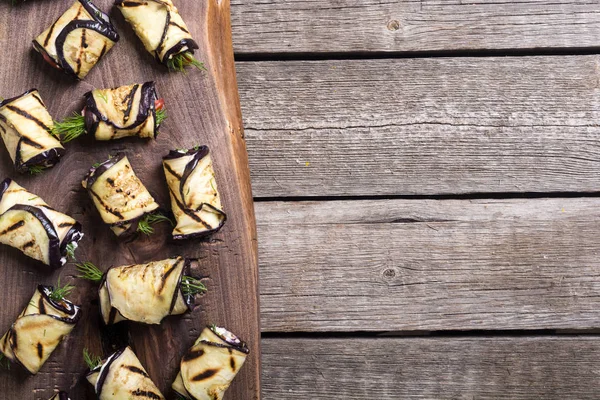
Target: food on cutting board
{"type": "Point", "coordinates": [209, 366]}
{"type": "Point", "coordinates": [195, 199]}
{"type": "Point", "coordinates": [133, 110]}
{"type": "Point", "coordinates": [78, 39]}
{"type": "Point", "coordinates": [121, 198]}
{"type": "Point", "coordinates": [45, 322]}
{"type": "Point", "coordinates": [122, 377]}
{"type": "Point", "coordinates": [161, 29]}
{"type": "Point", "coordinates": [30, 225]}
{"type": "Point", "coordinates": [144, 293]}
{"type": "Point", "coordinates": [26, 129]}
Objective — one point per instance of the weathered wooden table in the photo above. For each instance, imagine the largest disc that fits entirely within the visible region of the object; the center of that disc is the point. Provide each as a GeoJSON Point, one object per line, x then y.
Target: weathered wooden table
{"type": "Point", "coordinates": [426, 176]}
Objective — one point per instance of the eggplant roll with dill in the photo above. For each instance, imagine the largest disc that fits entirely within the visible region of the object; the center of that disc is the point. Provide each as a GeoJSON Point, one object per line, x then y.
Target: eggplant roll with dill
{"type": "Point", "coordinates": [26, 126]}
{"type": "Point", "coordinates": [208, 368]}
{"type": "Point", "coordinates": [29, 224]}
{"type": "Point", "coordinates": [195, 199]}
{"type": "Point", "coordinates": [145, 293]}
{"type": "Point", "coordinates": [122, 112]}
{"type": "Point", "coordinates": [159, 26]}
{"type": "Point", "coordinates": [78, 39]}
{"type": "Point", "coordinates": [39, 330]}
{"type": "Point", "coordinates": [60, 396]}
{"type": "Point", "coordinates": [120, 197]}
{"type": "Point", "coordinates": [122, 377]}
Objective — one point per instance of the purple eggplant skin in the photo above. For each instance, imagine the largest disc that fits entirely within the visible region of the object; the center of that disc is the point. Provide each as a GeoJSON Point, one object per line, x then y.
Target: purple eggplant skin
{"type": "Point", "coordinates": [147, 106]}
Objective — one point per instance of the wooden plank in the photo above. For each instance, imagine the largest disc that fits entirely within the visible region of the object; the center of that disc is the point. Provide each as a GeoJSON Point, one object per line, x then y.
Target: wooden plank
{"type": "Point", "coordinates": [362, 26]}
{"type": "Point", "coordinates": [406, 265]}
{"type": "Point", "coordinates": [432, 368]}
{"type": "Point", "coordinates": [203, 109]}
{"type": "Point", "coordinates": [422, 126]}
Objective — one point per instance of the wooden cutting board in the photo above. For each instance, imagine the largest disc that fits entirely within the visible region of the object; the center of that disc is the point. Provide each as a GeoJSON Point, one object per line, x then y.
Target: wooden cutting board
{"type": "Point", "coordinates": [203, 108]}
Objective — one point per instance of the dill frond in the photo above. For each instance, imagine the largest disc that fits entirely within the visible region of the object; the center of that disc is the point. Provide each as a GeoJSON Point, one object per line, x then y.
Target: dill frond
{"type": "Point", "coordinates": [161, 115]}
{"type": "Point", "coordinates": [60, 292]}
{"type": "Point", "coordinates": [70, 128]}
{"type": "Point", "coordinates": [180, 61]}
{"type": "Point", "coordinates": [145, 224]}
{"type": "Point", "coordinates": [191, 286]}
{"type": "Point", "coordinates": [91, 360]}
{"type": "Point", "coordinates": [89, 271]}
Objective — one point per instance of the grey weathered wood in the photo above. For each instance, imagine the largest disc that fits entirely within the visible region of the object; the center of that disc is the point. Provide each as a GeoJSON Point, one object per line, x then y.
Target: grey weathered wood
{"type": "Point", "coordinates": [422, 126]}
{"type": "Point", "coordinates": [300, 26]}
{"type": "Point", "coordinates": [203, 108]}
{"type": "Point", "coordinates": [432, 368]}
{"type": "Point", "coordinates": [429, 265]}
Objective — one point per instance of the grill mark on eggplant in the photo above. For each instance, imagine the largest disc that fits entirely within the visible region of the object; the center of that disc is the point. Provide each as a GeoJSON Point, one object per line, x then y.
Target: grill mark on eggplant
{"type": "Point", "coordinates": [205, 375]}
{"type": "Point", "coordinates": [165, 276]}
{"type": "Point", "coordinates": [65, 224]}
{"type": "Point", "coordinates": [41, 306]}
{"type": "Point", "coordinates": [38, 98]}
{"type": "Point", "coordinates": [171, 171]}
{"type": "Point", "coordinates": [136, 370]}
{"type": "Point", "coordinates": [110, 181]}
{"type": "Point", "coordinates": [192, 355]}
{"type": "Point", "coordinates": [82, 46]}
{"type": "Point", "coordinates": [13, 227]}
{"type": "Point", "coordinates": [178, 26]}
{"type": "Point", "coordinates": [129, 98]}
{"type": "Point", "coordinates": [28, 244]}
{"type": "Point", "coordinates": [161, 44]}
{"type": "Point", "coordinates": [232, 363]}
{"type": "Point", "coordinates": [187, 211]}
{"type": "Point", "coordinates": [31, 143]}
{"type": "Point", "coordinates": [47, 40]}
{"type": "Point", "coordinates": [25, 114]}
{"type": "Point", "coordinates": [106, 207]}
{"type": "Point", "coordinates": [40, 350]}
{"type": "Point", "coordinates": [131, 4]}
{"type": "Point", "coordinates": [146, 393]}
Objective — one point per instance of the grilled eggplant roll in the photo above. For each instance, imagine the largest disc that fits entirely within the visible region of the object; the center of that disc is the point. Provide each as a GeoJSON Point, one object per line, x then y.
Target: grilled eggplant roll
{"type": "Point", "coordinates": [195, 199]}
{"type": "Point", "coordinates": [208, 368]}
{"type": "Point", "coordinates": [162, 31]}
{"type": "Point", "coordinates": [120, 197]}
{"type": "Point", "coordinates": [122, 377]}
{"type": "Point", "coordinates": [145, 293]}
{"type": "Point", "coordinates": [78, 39]}
{"type": "Point", "coordinates": [60, 396]}
{"type": "Point", "coordinates": [39, 329]}
{"type": "Point", "coordinates": [26, 126]}
{"type": "Point", "coordinates": [122, 112]}
{"type": "Point", "coordinates": [29, 224]}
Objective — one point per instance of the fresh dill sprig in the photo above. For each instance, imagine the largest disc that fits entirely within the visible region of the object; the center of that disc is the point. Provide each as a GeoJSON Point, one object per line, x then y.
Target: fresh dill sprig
{"type": "Point", "coordinates": [59, 292]}
{"type": "Point", "coordinates": [70, 249]}
{"type": "Point", "coordinates": [161, 115]}
{"type": "Point", "coordinates": [70, 128]}
{"type": "Point", "coordinates": [145, 224]}
{"type": "Point", "coordinates": [91, 360]}
{"type": "Point", "coordinates": [96, 165]}
{"type": "Point", "coordinates": [36, 169]}
{"type": "Point", "coordinates": [102, 96]}
{"type": "Point", "coordinates": [191, 286]}
{"type": "Point", "coordinates": [180, 61]}
{"type": "Point", "coordinates": [89, 271]}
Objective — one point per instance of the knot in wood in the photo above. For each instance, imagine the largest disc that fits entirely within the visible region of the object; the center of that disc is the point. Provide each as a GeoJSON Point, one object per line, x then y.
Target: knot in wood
{"type": "Point", "coordinates": [393, 25]}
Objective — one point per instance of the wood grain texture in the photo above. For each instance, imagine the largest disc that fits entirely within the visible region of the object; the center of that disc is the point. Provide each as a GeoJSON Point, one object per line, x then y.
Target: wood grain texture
{"type": "Point", "coordinates": [420, 265]}
{"type": "Point", "coordinates": [432, 368]}
{"type": "Point", "coordinates": [422, 126]}
{"type": "Point", "coordinates": [363, 26]}
{"type": "Point", "coordinates": [203, 109]}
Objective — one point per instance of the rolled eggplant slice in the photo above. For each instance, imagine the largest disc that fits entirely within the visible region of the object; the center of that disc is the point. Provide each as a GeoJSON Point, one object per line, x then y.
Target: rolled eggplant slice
{"type": "Point", "coordinates": [26, 126]}
{"type": "Point", "coordinates": [208, 368]}
{"type": "Point", "coordinates": [118, 194]}
{"type": "Point", "coordinates": [122, 377]}
{"type": "Point", "coordinates": [29, 224]}
{"type": "Point", "coordinates": [159, 26]}
{"type": "Point", "coordinates": [145, 293]}
{"type": "Point", "coordinates": [39, 330]}
{"type": "Point", "coordinates": [122, 112]}
{"type": "Point", "coordinates": [195, 199]}
{"type": "Point", "coordinates": [60, 396]}
{"type": "Point", "coordinates": [78, 39]}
